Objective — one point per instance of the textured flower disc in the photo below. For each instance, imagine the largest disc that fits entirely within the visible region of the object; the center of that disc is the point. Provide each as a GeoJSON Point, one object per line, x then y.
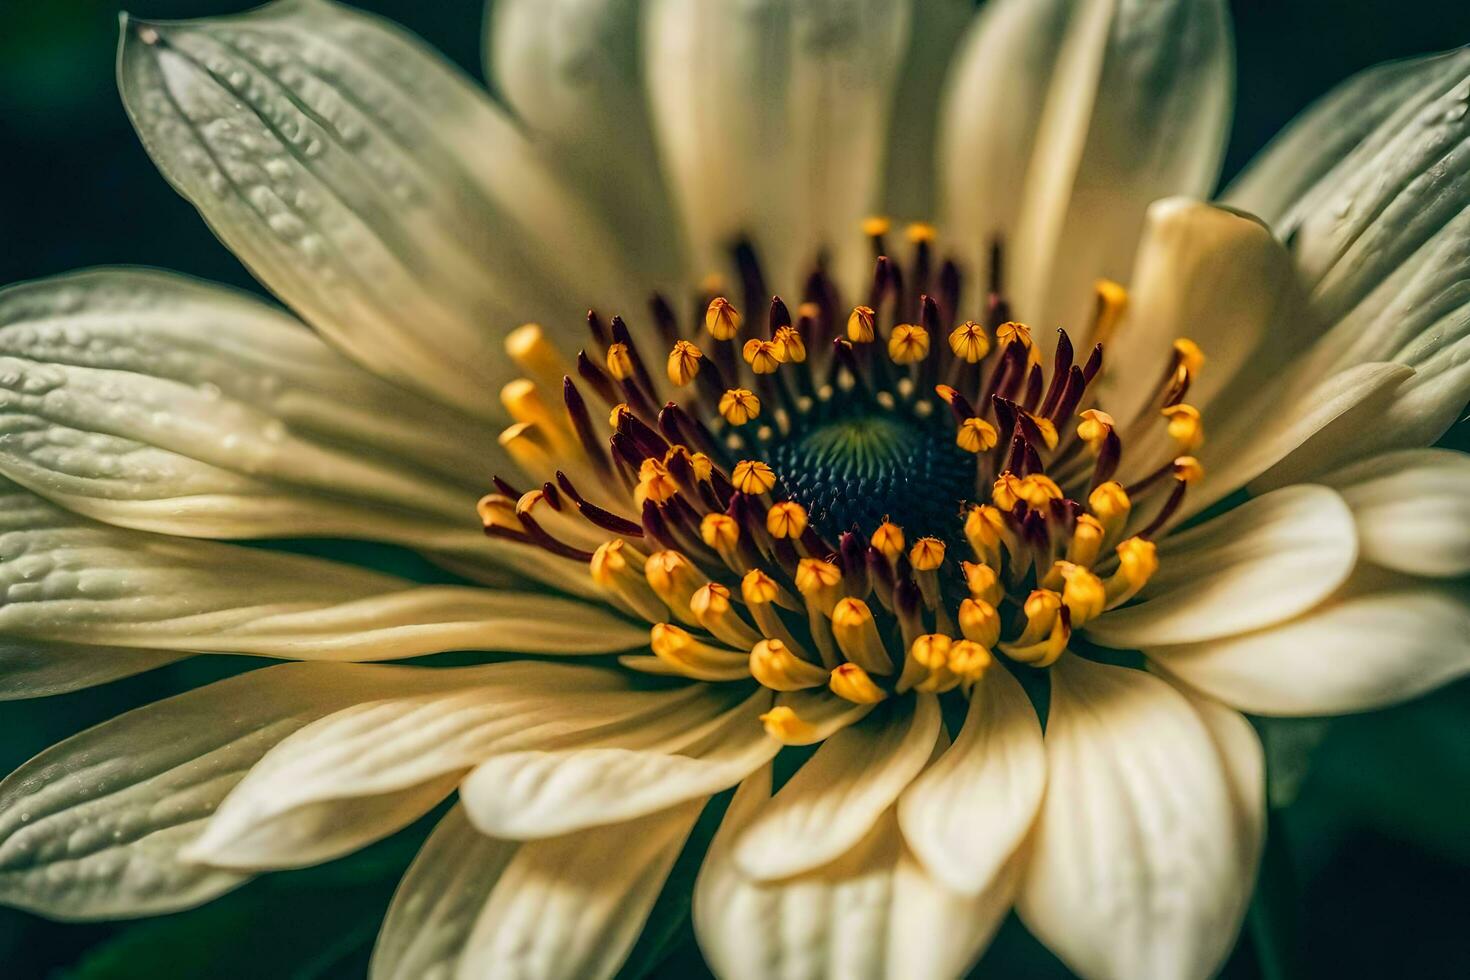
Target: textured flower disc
{"type": "Point", "coordinates": [877, 499]}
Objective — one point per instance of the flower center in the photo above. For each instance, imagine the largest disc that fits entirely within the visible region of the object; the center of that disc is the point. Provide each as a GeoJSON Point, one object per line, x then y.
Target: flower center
{"type": "Point", "coordinates": [875, 500]}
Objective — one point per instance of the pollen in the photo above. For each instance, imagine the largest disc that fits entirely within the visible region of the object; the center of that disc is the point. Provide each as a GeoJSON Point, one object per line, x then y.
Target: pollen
{"type": "Point", "coordinates": [1185, 427]}
{"type": "Point", "coordinates": [763, 356]}
{"type": "Point", "coordinates": [860, 321]}
{"type": "Point", "coordinates": [908, 344]}
{"type": "Point", "coordinates": [927, 554]}
{"type": "Point", "coordinates": [786, 520]}
{"type": "Point", "coordinates": [619, 362]}
{"type": "Point", "coordinates": [683, 363]}
{"type": "Point", "coordinates": [851, 683]}
{"type": "Point", "coordinates": [739, 405]}
{"type": "Point", "coordinates": [975, 435]}
{"type": "Point", "coordinates": [969, 342]}
{"type": "Point", "coordinates": [753, 477]}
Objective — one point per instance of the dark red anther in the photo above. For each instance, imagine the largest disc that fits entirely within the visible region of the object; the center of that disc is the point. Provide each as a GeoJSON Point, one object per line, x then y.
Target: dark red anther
{"type": "Point", "coordinates": [880, 573]}
{"type": "Point", "coordinates": [1011, 363]}
{"type": "Point", "coordinates": [598, 329]}
{"type": "Point", "coordinates": [778, 316]}
{"type": "Point", "coordinates": [929, 317]}
{"type": "Point", "coordinates": [627, 450]}
{"type": "Point", "coordinates": [907, 602]}
{"type": "Point", "coordinates": [1061, 367]}
{"type": "Point", "coordinates": [950, 283]}
{"type": "Point", "coordinates": [1107, 460]}
{"type": "Point", "coordinates": [582, 425]}
{"type": "Point", "coordinates": [589, 372]}
{"type": "Point", "coordinates": [845, 356]}
{"type": "Point", "coordinates": [656, 528]}
{"type": "Point", "coordinates": [1176, 497]}
{"type": "Point", "coordinates": [1005, 415]}
{"type": "Point", "coordinates": [539, 535]}
{"type": "Point", "coordinates": [1032, 462]}
{"type": "Point", "coordinates": [1031, 395]}
{"type": "Point", "coordinates": [1016, 455]}
{"type": "Point", "coordinates": [752, 281]}
{"type": "Point", "coordinates": [664, 319]}
{"type": "Point", "coordinates": [814, 545]}
{"type": "Point", "coordinates": [852, 556]}
{"type": "Point", "coordinates": [621, 335]}
{"type": "Point", "coordinates": [549, 491]}
{"type": "Point", "coordinates": [604, 519]}
{"type": "Point", "coordinates": [960, 407]}
{"type": "Point", "coordinates": [1071, 395]}
{"type": "Point", "coordinates": [648, 442]}
{"type": "Point", "coordinates": [1093, 365]}
{"type": "Point", "coordinates": [997, 311]}
{"type": "Point", "coordinates": [505, 488]}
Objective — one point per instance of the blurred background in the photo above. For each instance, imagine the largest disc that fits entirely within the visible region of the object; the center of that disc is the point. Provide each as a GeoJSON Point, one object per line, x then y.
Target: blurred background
{"type": "Point", "coordinates": [1377, 879]}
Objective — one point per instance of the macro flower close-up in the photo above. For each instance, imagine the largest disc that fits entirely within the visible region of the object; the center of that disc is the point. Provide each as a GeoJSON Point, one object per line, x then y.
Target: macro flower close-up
{"type": "Point", "coordinates": [865, 476]}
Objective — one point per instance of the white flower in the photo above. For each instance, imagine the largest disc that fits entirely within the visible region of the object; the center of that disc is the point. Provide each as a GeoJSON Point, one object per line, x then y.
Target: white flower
{"type": "Point", "coordinates": [795, 557]}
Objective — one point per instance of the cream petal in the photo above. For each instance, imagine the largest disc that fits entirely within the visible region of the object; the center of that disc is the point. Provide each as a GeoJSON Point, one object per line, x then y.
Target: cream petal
{"type": "Point", "coordinates": [407, 747]}
{"type": "Point", "coordinates": [542, 793]}
{"type": "Point", "coordinates": [1215, 276]}
{"type": "Point", "coordinates": [150, 400]}
{"type": "Point", "coordinates": [64, 577]}
{"type": "Point", "coordinates": [438, 900]}
{"type": "Point", "coordinates": [572, 907]}
{"type": "Point", "coordinates": [37, 668]}
{"type": "Point", "coordinates": [1412, 509]}
{"type": "Point", "coordinates": [92, 827]}
{"type": "Point", "coordinates": [967, 815]}
{"type": "Point", "coordinates": [837, 796]}
{"type": "Point", "coordinates": [369, 184]}
{"type": "Point", "coordinates": [1137, 869]}
{"type": "Point", "coordinates": [875, 912]}
{"type": "Point", "coordinates": [1378, 643]}
{"type": "Point", "coordinates": [771, 120]}
{"type": "Point", "coordinates": [1263, 562]}
{"type": "Point", "coordinates": [1324, 134]}
{"type": "Point", "coordinates": [993, 98]}
{"type": "Point", "coordinates": [570, 70]}
{"type": "Point", "coordinates": [1297, 425]}
{"type": "Point", "coordinates": [1138, 108]}
{"type": "Point", "coordinates": [916, 120]}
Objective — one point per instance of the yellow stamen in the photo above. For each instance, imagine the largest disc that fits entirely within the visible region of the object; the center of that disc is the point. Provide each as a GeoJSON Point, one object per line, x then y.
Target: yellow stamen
{"type": "Point", "coordinates": [982, 582]}
{"type": "Point", "coordinates": [820, 582]}
{"type": "Point", "coordinates": [776, 667]}
{"type": "Point", "coordinates": [860, 325]}
{"type": "Point", "coordinates": [920, 231]}
{"type": "Point", "coordinates": [619, 362]}
{"type": "Point", "coordinates": [1189, 356]}
{"type": "Point", "coordinates": [613, 570]}
{"type": "Point", "coordinates": [1005, 493]}
{"type": "Point", "coordinates": [1138, 559]}
{"type": "Point", "coordinates": [759, 589]}
{"type": "Point", "coordinates": [615, 417]}
{"type": "Point", "coordinates": [739, 405]}
{"type": "Point", "coordinates": [693, 658]}
{"type": "Point", "coordinates": [534, 354]}
{"type": "Point", "coordinates": [1038, 491]}
{"type": "Point", "coordinates": [530, 450]}
{"type": "Point", "coordinates": [753, 477]}
{"type": "Point", "coordinates": [1094, 429]}
{"type": "Point", "coordinates": [1046, 634]}
{"type": "Point", "coordinates": [969, 342]}
{"type": "Point", "coordinates": [1109, 503]}
{"type": "Point", "coordinates": [719, 531]}
{"type": "Point", "coordinates": [675, 580]}
{"type": "Point", "coordinates": [702, 466]}
{"type": "Point", "coordinates": [654, 483]}
{"type": "Point", "coordinates": [712, 609]}
{"type": "Point", "coordinates": [1185, 427]}
{"type": "Point", "coordinates": [1187, 469]}
{"type": "Point", "coordinates": [985, 528]}
{"type": "Point", "coordinates": [790, 344]}
{"type": "Point", "coordinates": [683, 363]}
{"type": "Point", "coordinates": [858, 638]}
{"type": "Point", "coordinates": [927, 554]}
{"type": "Point", "coordinates": [927, 668]}
{"type": "Point", "coordinates": [1087, 539]}
{"type": "Point", "coordinates": [888, 539]}
{"type": "Point", "coordinates": [850, 682]}
{"type": "Point", "coordinates": [1112, 301]}
{"type": "Point", "coordinates": [522, 399]}
{"type": "Point", "coordinates": [979, 622]}
{"type": "Point", "coordinates": [969, 661]}
{"type": "Point", "coordinates": [721, 319]}
{"type": "Point", "coordinates": [977, 436]}
{"type": "Point", "coordinates": [1083, 593]}
{"type": "Point", "coordinates": [786, 520]}
{"type": "Point", "coordinates": [785, 726]}
{"type": "Point", "coordinates": [876, 226]}
{"type": "Point", "coordinates": [763, 356]}
{"type": "Point", "coordinates": [908, 344]}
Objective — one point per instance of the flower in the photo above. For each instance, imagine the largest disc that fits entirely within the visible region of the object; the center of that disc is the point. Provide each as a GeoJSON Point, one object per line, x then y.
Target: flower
{"type": "Point", "coordinates": [819, 522]}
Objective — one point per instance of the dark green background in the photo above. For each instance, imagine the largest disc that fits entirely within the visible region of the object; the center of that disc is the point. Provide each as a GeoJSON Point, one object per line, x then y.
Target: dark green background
{"type": "Point", "coordinates": [1378, 837]}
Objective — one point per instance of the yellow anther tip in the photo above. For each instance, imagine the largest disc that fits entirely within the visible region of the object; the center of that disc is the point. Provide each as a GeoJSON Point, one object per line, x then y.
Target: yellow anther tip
{"type": "Point", "coordinates": [814, 575]}
{"type": "Point", "coordinates": [969, 342]}
{"type": "Point", "coordinates": [786, 520]}
{"type": "Point", "coordinates": [860, 325]}
{"type": "Point", "coordinates": [927, 554]}
{"type": "Point", "coordinates": [851, 683]}
{"type": "Point", "coordinates": [1188, 470]}
{"type": "Point", "coordinates": [908, 344]}
{"type": "Point", "coordinates": [888, 539]}
{"type": "Point", "coordinates": [976, 435]}
{"type": "Point", "coordinates": [753, 477]}
{"type": "Point", "coordinates": [757, 587]}
{"type": "Point", "coordinates": [876, 225]}
{"type": "Point", "coordinates": [920, 231]}
{"type": "Point", "coordinates": [721, 319]}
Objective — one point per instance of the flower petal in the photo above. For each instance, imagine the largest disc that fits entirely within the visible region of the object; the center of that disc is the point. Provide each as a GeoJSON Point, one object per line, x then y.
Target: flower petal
{"type": "Point", "coordinates": [1378, 643]}
{"type": "Point", "coordinates": [368, 184]}
{"type": "Point", "coordinates": [967, 815]}
{"type": "Point", "coordinates": [539, 793]}
{"type": "Point", "coordinates": [1137, 869]}
{"type": "Point", "coordinates": [771, 119]}
{"type": "Point", "coordinates": [1324, 134]}
{"type": "Point", "coordinates": [995, 94]}
{"type": "Point", "coordinates": [1263, 562]}
{"type": "Point", "coordinates": [570, 70]}
{"type": "Point", "coordinates": [394, 747]}
{"type": "Point", "coordinates": [64, 577]}
{"type": "Point", "coordinates": [572, 907]}
{"type": "Point", "coordinates": [1214, 276]}
{"type": "Point", "coordinates": [837, 796]}
{"type": "Point", "coordinates": [917, 120]}
{"type": "Point", "coordinates": [150, 400]}
{"type": "Point", "coordinates": [91, 828]}
{"type": "Point", "coordinates": [1412, 508]}
{"type": "Point", "coordinates": [872, 913]}
{"type": "Point", "coordinates": [438, 900]}
{"type": "Point", "coordinates": [1138, 108]}
{"type": "Point", "coordinates": [36, 668]}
